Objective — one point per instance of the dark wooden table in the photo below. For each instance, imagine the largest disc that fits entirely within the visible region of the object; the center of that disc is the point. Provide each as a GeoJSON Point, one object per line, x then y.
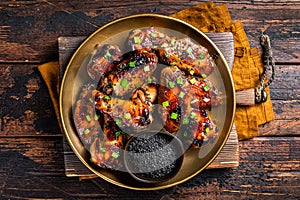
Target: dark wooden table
{"type": "Point", "coordinates": [31, 151]}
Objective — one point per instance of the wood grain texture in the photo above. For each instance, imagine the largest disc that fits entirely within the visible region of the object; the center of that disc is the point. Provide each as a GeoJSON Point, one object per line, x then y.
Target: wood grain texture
{"type": "Point", "coordinates": [264, 172]}
{"type": "Point", "coordinates": [31, 33]}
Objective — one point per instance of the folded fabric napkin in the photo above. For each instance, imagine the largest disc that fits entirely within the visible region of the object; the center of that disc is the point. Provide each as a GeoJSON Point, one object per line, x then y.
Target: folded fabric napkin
{"type": "Point", "coordinates": [246, 71]}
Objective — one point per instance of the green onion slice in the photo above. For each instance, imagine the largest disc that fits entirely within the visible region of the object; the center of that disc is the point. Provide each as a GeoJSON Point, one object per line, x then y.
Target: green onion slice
{"type": "Point", "coordinates": [147, 68]}
{"type": "Point", "coordinates": [103, 149]}
{"type": "Point", "coordinates": [193, 115]}
{"type": "Point", "coordinates": [193, 81]}
{"type": "Point", "coordinates": [131, 64]}
{"type": "Point", "coordinates": [86, 131]}
{"type": "Point", "coordinates": [171, 84]}
{"type": "Point", "coordinates": [206, 88]}
{"type": "Point", "coordinates": [179, 81]}
{"type": "Point", "coordinates": [174, 115]}
{"type": "Point", "coordinates": [127, 116]}
{"type": "Point", "coordinates": [115, 155]}
{"type": "Point", "coordinates": [201, 56]}
{"type": "Point", "coordinates": [189, 50]}
{"type": "Point", "coordinates": [206, 130]}
{"type": "Point", "coordinates": [181, 94]}
{"type": "Point", "coordinates": [124, 83]}
{"type": "Point", "coordinates": [88, 117]}
{"type": "Point", "coordinates": [119, 122]}
{"type": "Point", "coordinates": [185, 121]}
{"type": "Point", "coordinates": [96, 117]}
{"type": "Point", "coordinates": [107, 55]}
{"type": "Point", "coordinates": [136, 40]}
{"type": "Point", "coordinates": [165, 104]}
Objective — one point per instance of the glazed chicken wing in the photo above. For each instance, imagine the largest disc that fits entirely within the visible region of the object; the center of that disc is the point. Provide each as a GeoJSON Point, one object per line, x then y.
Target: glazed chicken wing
{"type": "Point", "coordinates": [182, 50]}
{"type": "Point", "coordinates": [102, 59]}
{"type": "Point", "coordinates": [131, 72]}
{"type": "Point", "coordinates": [131, 114]}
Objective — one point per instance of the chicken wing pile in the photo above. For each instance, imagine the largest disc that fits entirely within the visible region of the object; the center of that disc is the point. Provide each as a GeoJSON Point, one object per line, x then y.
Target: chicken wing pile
{"type": "Point", "coordinates": [157, 69]}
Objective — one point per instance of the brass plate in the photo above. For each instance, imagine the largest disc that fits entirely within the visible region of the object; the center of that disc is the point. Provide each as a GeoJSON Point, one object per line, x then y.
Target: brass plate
{"type": "Point", "coordinates": [194, 160]}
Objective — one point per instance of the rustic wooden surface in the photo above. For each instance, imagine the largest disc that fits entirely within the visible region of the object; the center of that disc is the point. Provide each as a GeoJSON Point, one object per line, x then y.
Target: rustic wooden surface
{"type": "Point", "coordinates": [228, 157]}
{"type": "Point", "coordinates": [31, 151]}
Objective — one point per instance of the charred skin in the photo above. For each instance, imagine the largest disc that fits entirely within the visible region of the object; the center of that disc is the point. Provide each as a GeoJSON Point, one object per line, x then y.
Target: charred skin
{"type": "Point", "coordinates": [191, 90]}
{"type": "Point", "coordinates": [102, 59]}
{"type": "Point", "coordinates": [170, 110]}
{"type": "Point", "coordinates": [87, 120]}
{"type": "Point", "coordinates": [197, 129]}
{"type": "Point", "coordinates": [132, 71]}
{"type": "Point", "coordinates": [182, 50]}
{"type": "Point", "coordinates": [134, 113]}
{"type": "Point", "coordinates": [149, 37]}
{"type": "Point", "coordinates": [106, 148]}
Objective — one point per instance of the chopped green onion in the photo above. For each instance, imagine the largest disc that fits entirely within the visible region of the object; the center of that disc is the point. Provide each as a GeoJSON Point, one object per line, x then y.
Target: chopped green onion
{"type": "Point", "coordinates": [206, 88]}
{"type": "Point", "coordinates": [131, 64]}
{"type": "Point", "coordinates": [203, 75]}
{"type": "Point", "coordinates": [107, 97]}
{"type": "Point", "coordinates": [201, 56]}
{"type": "Point", "coordinates": [193, 115]}
{"type": "Point", "coordinates": [103, 149]}
{"type": "Point", "coordinates": [189, 50]}
{"type": "Point", "coordinates": [171, 84]}
{"type": "Point", "coordinates": [117, 134]}
{"type": "Point", "coordinates": [179, 80]}
{"type": "Point", "coordinates": [206, 130]}
{"type": "Point", "coordinates": [185, 134]}
{"type": "Point", "coordinates": [174, 115]}
{"type": "Point", "coordinates": [179, 53]}
{"type": "Point", "coordinates": [91, 100]}
{"type": "Point", "coordinates": [164, 45]}
{"type": "Point", "coordinates": [185, 121]}
{"type": "Point", "coordinates": [165, 104]}
{"type": "Point", "coordinates": [138, 86]}
{"type": "Point", "coordinates": [167, 55]}
{"type": "Point", "coordinates": [149, 80]}
{"type": "Point", "coordinates": [173, 63]}
{"type": "Point", "coordinates": [153, 35]}
{"type": "Point", "coordinates": [173, 42]}
{"type": "Point", "coordinates": [88, 117]}
{"type": "Point", "coordinates": [115, 155]}
{"type": "Point", "coordinates": [181, 94]}
{"type": "Point", "coordinates": [147, 68]}
{"type": "Point", "coordinates": [107, 55]}
{"type": "Point", "coordinates": [127, 116]}
{"type": "Point", "coordinates": [96, 117]}
{"type": "Point", "coordinates": [136, 40]}
{"type": "Point", "coordinates": [119, 122]}
{"type": "Point", "coordinates": [124, 83]}
{"type": "Point", "coordinates": [193, 81]}
{"type": "Point", "coordinates": [86, 131]}
{"type": "Point", "coordinates": [147, 93]}
{"type": "Point", "coordinates": [192, 72]}
{"type": "Point", "coordinates": [91, 160]}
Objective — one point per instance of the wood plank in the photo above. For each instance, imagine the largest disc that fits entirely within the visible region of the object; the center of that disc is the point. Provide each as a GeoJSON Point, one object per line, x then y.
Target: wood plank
{"type": "Point", "coordinates": [25, 105]}
{"type": "Point", "coordinates": [31, 33]}
{"type": "Point", "coordinates": [269, 168]}
{"type": "Point", "coordinates": [286, 119]}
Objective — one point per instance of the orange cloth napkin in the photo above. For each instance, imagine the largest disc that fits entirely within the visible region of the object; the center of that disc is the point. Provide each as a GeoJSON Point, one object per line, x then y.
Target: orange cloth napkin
{"type": "Point", "coordinates": [246, 71]}
{"type": "Point", "coordinates": [247, 67]}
